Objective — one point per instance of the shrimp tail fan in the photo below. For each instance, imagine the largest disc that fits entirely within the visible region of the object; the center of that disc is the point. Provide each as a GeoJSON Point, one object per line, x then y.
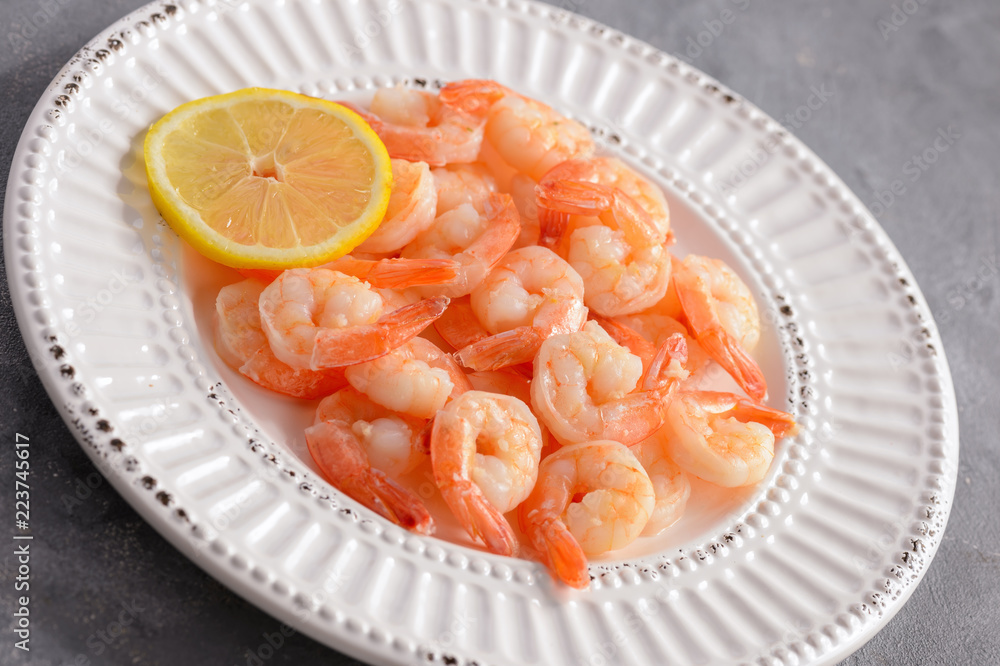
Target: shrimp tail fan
{"type": "Point", "coordinates": [335, 449]}
{"type": "Point", "coordinates": [730, 355]}
{"type": "Point", "coordinates": [511, 347]}
{"type": "Point", "coordinates": [484, 520]}
{"type": "Point", "coordinates": [336, 347]}
{"type": "Point", "coordinates": [562, 553]}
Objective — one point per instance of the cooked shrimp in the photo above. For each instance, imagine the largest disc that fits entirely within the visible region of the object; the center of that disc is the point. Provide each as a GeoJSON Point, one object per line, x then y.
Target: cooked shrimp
{"type": "Point", "coordinates": [459, 326]}
{"type": "Point", "coordinates": [485, 450]}
{"type": "Point", "coordinates": [530, 295]}
{"type": "Point", "coordinates": [624, 262]}
{"type": "Point", "coordinates": [645, 332]}
{"type": "Point", "coordinates": [414, 125]}
{"type": "Point", "coordinates": [416, 378]}
{"type": "Point", "coordinates": [458, 184]}
{"type": "Point", "coordinates": [612, 172]}
{"type": "Point", "coordinates": [722, 315]}
{"type": "Point", "coordinates": [526, 134]}
{"type": "Point", "coordinates": [241, 343]}
{"type": "Point", "coordinates": [723, 438]}
{"type": "Point", "coordinates": [590, 498]}
{"type": "Point", "coordinates": [522, 190]}
{"type": "Point", "coordinates": [510, 381]}
{"type": "Point", "coordinates": [474, 237]}
{"type": "Point", "coordinates": [412, 204]}
{"type": "Point", "coordinates": [318, 318]}
{"type": "Point", "coordinates": [670, 484]}
{"type": "Point", "coordinates": [396, 273]}
{"type": "Point", "coordinates": [395, 443]}
{"type": "Point", "coordinates": [584, 388]}
{"type": "Point", "coordinates": [341, 457]}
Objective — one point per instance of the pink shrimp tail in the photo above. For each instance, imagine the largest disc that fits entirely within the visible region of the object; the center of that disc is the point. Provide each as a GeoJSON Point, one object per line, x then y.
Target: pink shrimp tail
{"type": "Point", "coordinates": [265, 369]}
{"type": "Point", "coordinates": [479, 517]}
{"type": "Point", "coordinates": [473, 96]}
{"type": "Point", "coordinates": [552, 226]}
{"type": "Point", "coordinates": [337, 347]}
{"type": "Point", "coordinates": [667, 367]}
{"type": "Point", "coordinates": [403, 143]}
{"type": "Point", "coordinates": [575, 197]}
{"type": "Point", "coordinates": [511, 347]}
{"type": "Point", "coordinates": [337, 453]}
{"type": "Point", "coordinates": [458, 325]}
{"type": "Point", "coordinates": [398, 273]}
{"type": "Point", "coordinates": [499, 237]}
{"type": "Point", "coordinates": [627, 337]}
{"type": "Point", "coordinates": [561, 553]}
{"type": "Point", "coordinates": [782, 424]}
{"type": "Point", "coordinates": [725, 349]}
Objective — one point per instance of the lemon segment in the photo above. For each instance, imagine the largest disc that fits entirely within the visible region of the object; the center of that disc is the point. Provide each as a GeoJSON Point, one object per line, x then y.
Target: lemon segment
{"type": "Point", "coordinates": [263, 178]}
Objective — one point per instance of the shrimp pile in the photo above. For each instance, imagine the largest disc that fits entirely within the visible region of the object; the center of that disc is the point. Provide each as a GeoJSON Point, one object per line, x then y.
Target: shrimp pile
{"type": "Point", "coordinates": [518, 329]}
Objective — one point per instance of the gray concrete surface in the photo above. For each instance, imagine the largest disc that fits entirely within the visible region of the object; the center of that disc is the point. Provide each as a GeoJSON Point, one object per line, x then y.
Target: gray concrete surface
{"type": "Point", "coordinates": [896, 78]}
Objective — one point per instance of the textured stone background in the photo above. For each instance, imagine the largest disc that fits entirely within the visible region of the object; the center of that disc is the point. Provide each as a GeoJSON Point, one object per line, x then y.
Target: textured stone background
{"type": "Point", "coordinates": [891, 92]}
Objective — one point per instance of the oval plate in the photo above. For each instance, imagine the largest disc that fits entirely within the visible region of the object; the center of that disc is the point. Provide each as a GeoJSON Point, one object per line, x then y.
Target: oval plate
{"type": "Point", "coordinates": [116, 314]}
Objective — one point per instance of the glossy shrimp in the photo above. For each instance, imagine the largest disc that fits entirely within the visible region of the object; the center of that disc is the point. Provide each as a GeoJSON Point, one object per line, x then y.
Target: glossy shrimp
{"type": "Point", "coordinates": [526, 134]}
{"type": "Point", "coordinates": [475, 237]}
{"type": "Point", "coordinates": [722, 316]}
{"type": "Point", "coordinates": [341, 456]}
{"type": "Point", "coordinates": [395, 443]}
{"type": "Point", "coordinates": [458, 184]}
{"type": "Point", "coordinates": [590, 498]}
{"type": "Point", "coordinates": [624, 261]}
{"type": "Point", "coordinates": [670, 484]}
{"type": "Point", "coordinates": [412, 208]}
{"type": "Point", "coordinates": [584, 387]}
{"type": "Point", "coordinates": [416, 378]}
{"type": "Point", "coordinates": [612, 172]}
{"type": "Point", "coordinates": [317, 318]}
{"type": "Point", "coordinates": [416, 126]}
{"type": "Point", "coordinates": [241, 343]}
{"type": "Point", "coordinates": [723, 438]}
{"type": "Point", "coordinates": [485, 450]}
{"type": "Point", "coordinates": [530, 295]}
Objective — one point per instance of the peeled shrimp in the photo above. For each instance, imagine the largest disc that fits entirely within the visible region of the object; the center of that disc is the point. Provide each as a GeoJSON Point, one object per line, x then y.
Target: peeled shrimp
{"type": "Point", "coordinates": [340, 455]}
{"type": "Point", "coordinates": [414, 125]}
{"type": "Point", "coordinates": [670, 484]}
{"type": "Point", "coordinates": [474, 237]}
{"type": "Point", "coordinates": [485, 450]}
{"type": "Point", "coordinates": [624, 262]}
{"type": "Point", "coordinates": [412, 206]}
{"type": "Point", "coordinates": [317, 318]}
{"type": "Point", "coordinates": [530, 295]}
{"type": "Point", "coordinates": [584, 388]}
{"type": "Point", "coordinates": [723, 438]}
{"type": "Point", "coordinates": [379, 273]}
{"type": "Point", "coordinates": [526, 134]}
{"type": "Point", "coordinates": [612, 172]}
{"type": "Point", "coordinates": [722, 315]}
{"type": "Point", "coordinates": [395, 443]}
{"type": "Point", "coordinates": [241, 343]}
{"type": "Point", "coordinates": [416, 378]}
{"type": "Point", "coordinates": [590, 498]}
{"type": "Point", "coordinates": [458, 184]}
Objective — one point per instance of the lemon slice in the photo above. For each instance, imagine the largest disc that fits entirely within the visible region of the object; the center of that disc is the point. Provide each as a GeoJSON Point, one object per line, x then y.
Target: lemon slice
{"type": "Point", "coordinates": [264, 178]}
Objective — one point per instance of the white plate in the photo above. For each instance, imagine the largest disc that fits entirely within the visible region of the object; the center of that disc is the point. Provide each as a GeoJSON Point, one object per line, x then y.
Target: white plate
{"type": "Point", "coordinates": [802, 569]}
